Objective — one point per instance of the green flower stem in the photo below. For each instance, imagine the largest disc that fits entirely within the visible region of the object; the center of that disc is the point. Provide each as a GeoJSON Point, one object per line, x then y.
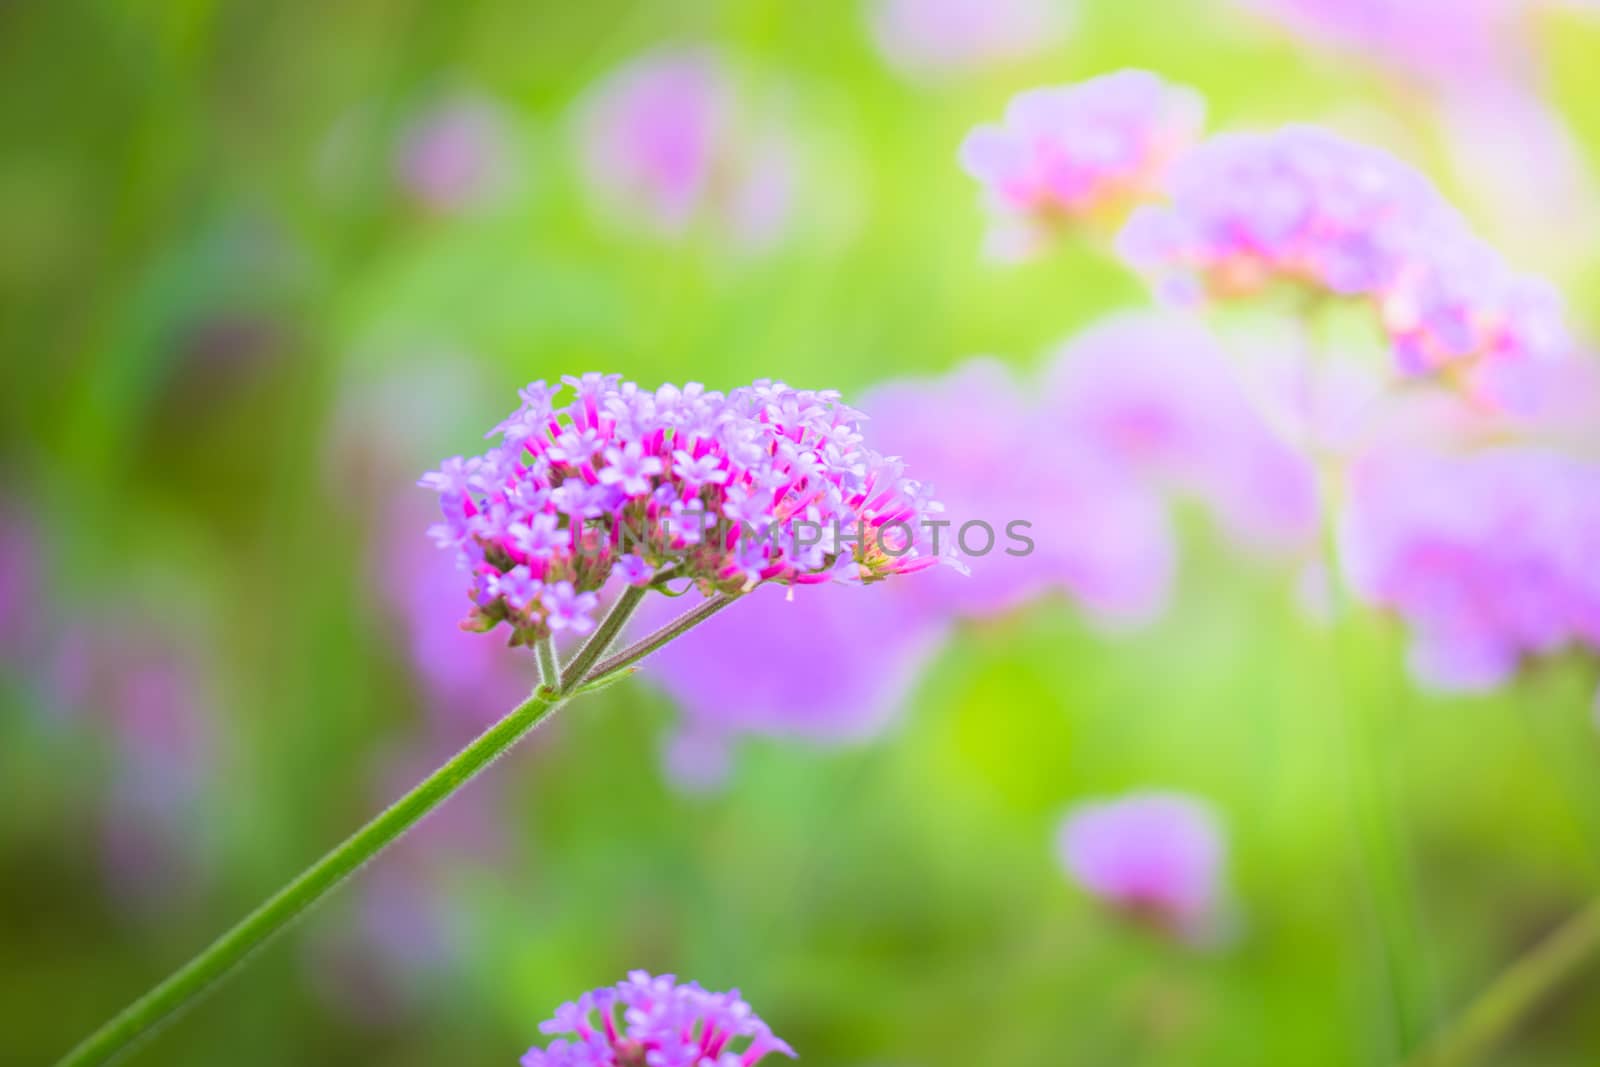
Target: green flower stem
{"type": "Point", "coordinates": [1385, 867]}
{"type": "Point", "coordinates": [1518, 990]}
{"type": "Point", "coordinates": [197, 976]}
{"type": "Point", "coordinates": [604, 636]}
{"type": "Point", "coordinates": [226, 952]}
{"type": "Point", "coordinates": [642, 648]}
{"type": "Point", "coordinates": [549, 673]}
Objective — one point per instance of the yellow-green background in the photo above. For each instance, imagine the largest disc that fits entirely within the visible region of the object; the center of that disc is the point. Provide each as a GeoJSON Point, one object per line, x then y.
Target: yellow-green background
{"type": "Point", "coordinates": [894, 905]}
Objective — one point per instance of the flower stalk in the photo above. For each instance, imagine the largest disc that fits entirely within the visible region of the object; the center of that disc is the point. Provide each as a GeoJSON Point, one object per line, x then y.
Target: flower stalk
{"type": "Point", "coordinates": [1513, 995]}
{"type": "Point", "coordinates": [216, 961]}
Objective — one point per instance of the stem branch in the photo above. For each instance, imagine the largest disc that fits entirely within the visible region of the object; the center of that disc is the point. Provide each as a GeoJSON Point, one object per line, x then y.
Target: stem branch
{"type": "Point", "coordinates": [1517, 991]}
{"type": "Point", "coordinates": [643, 647]}
{"type": "Point", "coordinates": [604, 636]}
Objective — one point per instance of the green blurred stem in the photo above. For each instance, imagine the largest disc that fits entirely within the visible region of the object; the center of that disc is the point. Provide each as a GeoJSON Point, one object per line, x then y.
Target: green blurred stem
{"type": "Point", "coordinates": [1384, 866]}
{"type": "Point", "coordinates": [189, 982]}
{"type": "Point", "coordinates": [1517, 992]}
{"type": "Point", "coordinates": [196, 977]}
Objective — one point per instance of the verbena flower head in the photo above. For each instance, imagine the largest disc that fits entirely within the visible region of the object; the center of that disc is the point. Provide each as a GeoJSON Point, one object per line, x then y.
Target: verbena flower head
{"type": "Point", "coordinates": [1304, 208]}
{"type": "Point", "coordinates": [1296, 205]}
{"type": "Point", "coordinates": [657, 1021]}
{"type": "Point", "coordinates": [764, 484]}
{"type": "Point", "coordinates": [1157, 857]}
{"type": "Point", "coordinates": [1076, 153]}
{"type": "Point", "coordinates": [1488, 557]}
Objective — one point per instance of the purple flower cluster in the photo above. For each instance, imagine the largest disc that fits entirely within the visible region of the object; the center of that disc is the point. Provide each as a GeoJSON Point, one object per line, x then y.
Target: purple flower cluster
{"type": "Point", "coordinates": [765, 484]}
{"type": "Point", "coordinates": [657, 1021]}
{"type": "Point", "coordinates": [1156, 857]}
{"type": "Point", "coordinates": [1304, 207]}
{"type": "Point", "coordinates": [1071, 154]}
{"type": "Point", "coordinates": [1488, 557]}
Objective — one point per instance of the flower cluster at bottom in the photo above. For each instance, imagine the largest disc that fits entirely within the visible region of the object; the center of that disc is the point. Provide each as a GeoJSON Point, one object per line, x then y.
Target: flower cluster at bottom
{"type": "Point", "coordinates": [655, 1021]}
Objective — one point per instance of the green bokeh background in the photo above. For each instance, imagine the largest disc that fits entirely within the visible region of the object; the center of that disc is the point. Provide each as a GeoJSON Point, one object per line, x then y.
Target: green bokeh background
{"type": "Point", "coordinates": [891, 905]}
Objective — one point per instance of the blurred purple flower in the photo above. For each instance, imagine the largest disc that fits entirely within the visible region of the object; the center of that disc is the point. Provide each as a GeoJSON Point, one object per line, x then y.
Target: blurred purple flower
{"type": "Point", "coordinates": [1156, 857]}
{"type": "Point", "coordinates": [1435, 40]}
{"type": "Point", "coordinates": [467, 677]}
{"type": "Point", "coordinates": [656, 1021]}
{"type": "Point", "coordinates": [1337, 219]}
{"type": "Point", "coordinates": [668, 141]}
{"type": "Point", "coordinates": [1079, 154]}
{"type": "Point", "coordinates": [1157, 396]}
{"type": "Point", "coordinates": [834, 663]}
{"type": "Point", "coordinates": [1488, 557]}
{"type": "Point", "coordinates": [455, 154]}
{"type": "Point", "coordinates": [138, 690]}
{"type": "Point", "coordinates": [1296, 205]}
{"type": "Point", "coordinates": [827, 663]}
{"type": "Point", "coordinates": [21, 605]}
{"type": "Point", "coordinates": [1097, 533]}
{"type": "Point", "coordinates": [935, 38]}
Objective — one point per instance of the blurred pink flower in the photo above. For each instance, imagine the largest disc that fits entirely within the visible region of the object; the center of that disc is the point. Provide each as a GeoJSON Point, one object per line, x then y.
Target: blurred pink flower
{"type": "Point", "coordinates": [467, 677]}
{"type": "Point", "coordinates": [1156, 857]}
{"type": "Point", "coordinates": [1077, 154]}
{"type": "Point", "coordinates": [834, 663]}
{"type": "Point", "coordinates": [1435, 40]}
{"type": "Point", "coordinates": [829, 664]}
{"type": "Point", "coordinates": [21, 605]}
{"type": "Point", "coordinates": [137, 690]}
{"type": "Point", "coordinates": [1156, 394]}
{"type": "Point", "coordinates": [1097, 533]}
{"type": "Point", "coordinates": [1300, 207]}
{"type": "Point", "coordinates": [668, 141]}
{"type": "Point", "coordinates": [933, 38]}
{"type": "Point", "coordinates": [455, 154]}
{"type": "Point", "coordinates": [1487, 557]}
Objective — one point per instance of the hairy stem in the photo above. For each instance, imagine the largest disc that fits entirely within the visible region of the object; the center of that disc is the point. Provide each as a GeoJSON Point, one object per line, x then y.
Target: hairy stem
{"type": "Point", "coordinates": [1519, 989]}
{"type": "Point", "coordinates": [604, 636]}
{"type": "Point", "coordinates": [549, 673]}
{"type": "Point", "coordinates": [642, 648]}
